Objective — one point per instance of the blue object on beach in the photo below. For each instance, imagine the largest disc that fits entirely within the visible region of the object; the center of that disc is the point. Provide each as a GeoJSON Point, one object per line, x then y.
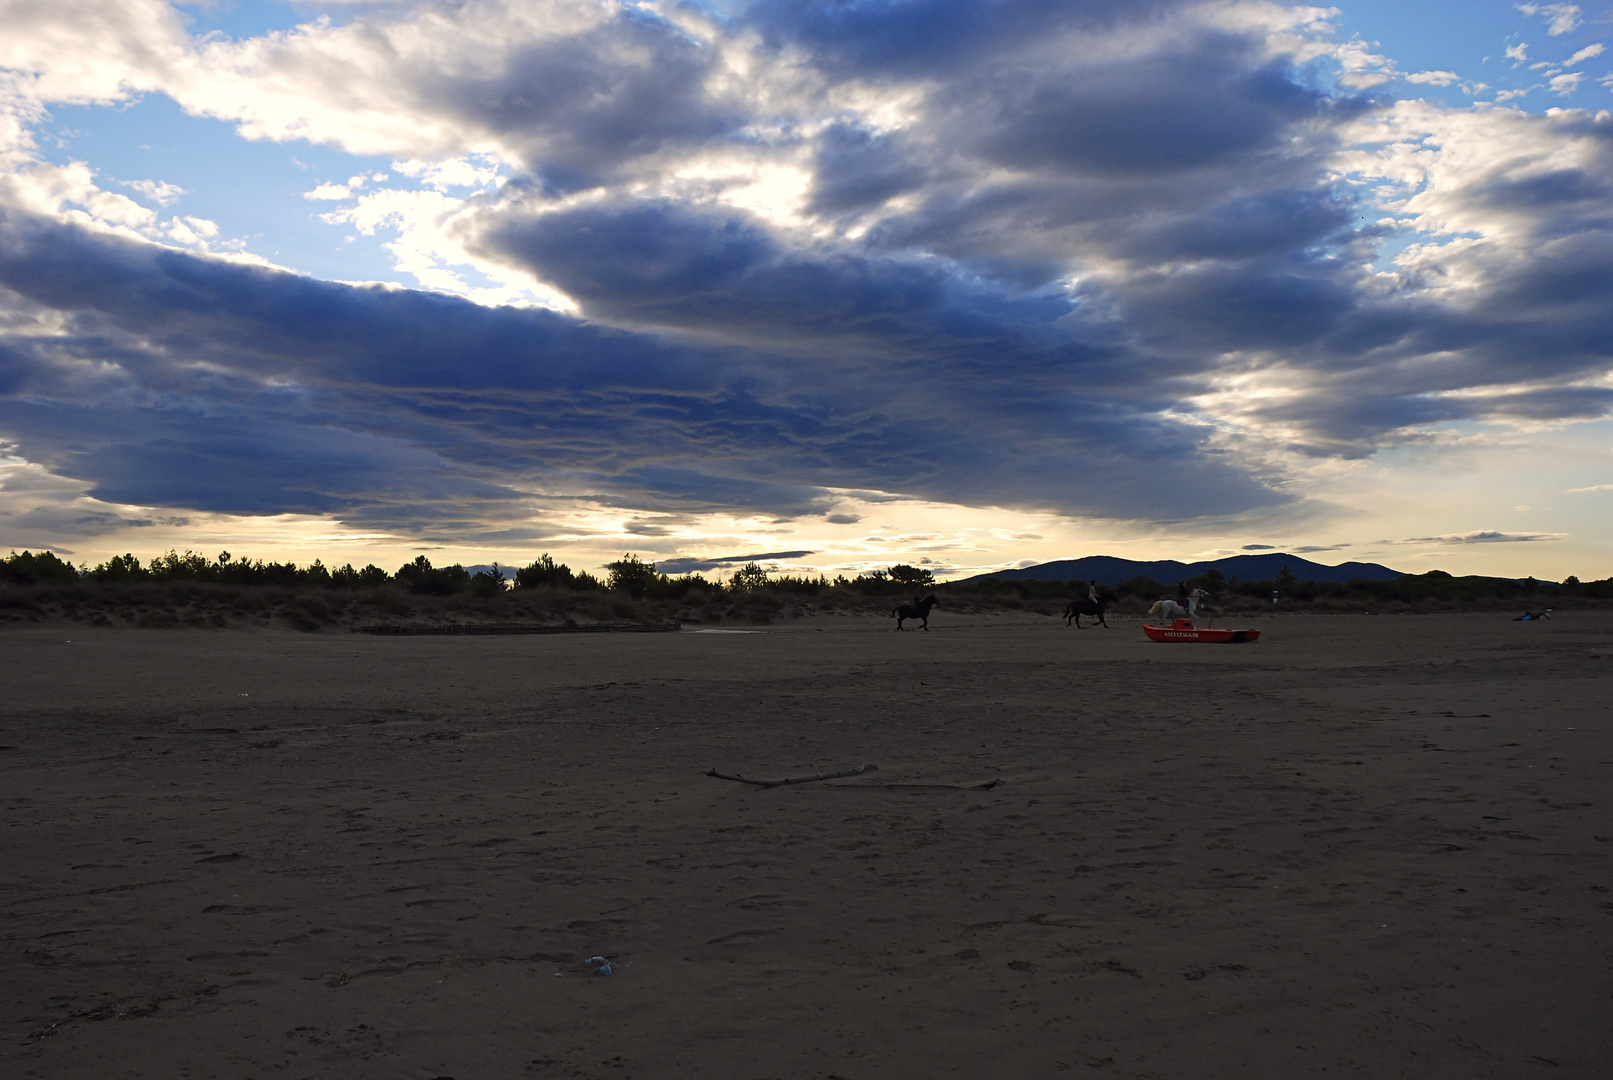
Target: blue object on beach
{"type": "Point", "coordinates": [604, 967]}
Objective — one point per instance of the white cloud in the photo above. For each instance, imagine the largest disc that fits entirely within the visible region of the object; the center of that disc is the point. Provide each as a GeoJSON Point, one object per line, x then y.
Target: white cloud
{"type": "Point", "coordinates": [1566, 83]}
{"type": "Point", "coordinates": [157, 191]}
{"type": "Point", "coordinates": [474, 171]}
{"type": "Point", "coordinates": [331, 192]}
{"type": "Point", "coordinates": [1593, 487]}
{"type": "Point", "coordinates": [1363, 68]}
{"type": "Point", "coordinates": [1518, 52]}
{"type": "Point", "coordinates": [1433, 78]}
{"type": "Point", "coordinates": [366, 86]}
{"type": "Point", "coordinates": [70, 192]}
{"type": "Point", "coordinates": [1450, 164]}
{"type": "Point", "coordinates": [430, 246]}
{"type": "Point", "coordinates": [83, 51]}
{"type": "Point", "coordinates": [195, 231]}
{"type": "Point", "coordinates": [1561, 18]}
{"type": "Point", "coordinates": [180, 231]}
{"type": "Point", "coordinates": [1587, 53]}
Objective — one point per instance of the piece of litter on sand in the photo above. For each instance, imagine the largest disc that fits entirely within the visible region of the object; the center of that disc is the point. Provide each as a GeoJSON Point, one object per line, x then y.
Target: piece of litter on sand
{"type": "Point", "coordinates": [600, 965]}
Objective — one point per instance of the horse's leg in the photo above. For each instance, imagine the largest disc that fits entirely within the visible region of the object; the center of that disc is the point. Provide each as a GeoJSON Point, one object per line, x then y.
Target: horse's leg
{"type": "Point", "coordinates": [926, 620]}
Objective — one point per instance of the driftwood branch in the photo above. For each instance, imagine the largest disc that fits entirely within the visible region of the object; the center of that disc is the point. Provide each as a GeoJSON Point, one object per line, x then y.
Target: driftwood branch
{"type": "Point", "coordinates": [855, 770]}
{"type": "Point", "coordinates": [985, 785]}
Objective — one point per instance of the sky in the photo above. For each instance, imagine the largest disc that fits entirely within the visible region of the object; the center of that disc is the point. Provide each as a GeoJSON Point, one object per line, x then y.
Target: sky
{"type": "Point", "coordinates": [827, 285]}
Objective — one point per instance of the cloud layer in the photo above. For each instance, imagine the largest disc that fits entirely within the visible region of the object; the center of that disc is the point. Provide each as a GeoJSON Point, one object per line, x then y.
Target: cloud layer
{"type": "Point", "coordinates": [1113, 260]}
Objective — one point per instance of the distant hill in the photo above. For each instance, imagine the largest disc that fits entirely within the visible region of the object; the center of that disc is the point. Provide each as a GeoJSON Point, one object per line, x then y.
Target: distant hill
{"type": "Point", "coordinates": [1108, 570]}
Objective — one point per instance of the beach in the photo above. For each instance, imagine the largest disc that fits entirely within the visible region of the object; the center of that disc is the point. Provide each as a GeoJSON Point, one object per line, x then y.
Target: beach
{"type": "Point", "coordinates": [1373, 846]}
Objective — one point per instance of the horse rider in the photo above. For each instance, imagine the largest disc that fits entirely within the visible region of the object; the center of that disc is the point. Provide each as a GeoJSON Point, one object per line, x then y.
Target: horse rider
{"type": "Point", "coordinates": [1092, 591]}
{"type": "Point", "coordinates": [1181, 593]}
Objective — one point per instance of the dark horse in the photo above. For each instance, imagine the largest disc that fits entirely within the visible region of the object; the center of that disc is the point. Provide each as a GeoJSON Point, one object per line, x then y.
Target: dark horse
{"type": "Point", "coordinates": [918, 609]}
{"type": "Point", "coordinates": [1079, 608]}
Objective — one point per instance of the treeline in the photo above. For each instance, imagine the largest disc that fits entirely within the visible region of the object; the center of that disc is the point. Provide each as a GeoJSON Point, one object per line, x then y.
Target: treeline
{"type": "Point", "coordinates": [640, 579]}
{"type": "Point", "coordinates": [629, 574]}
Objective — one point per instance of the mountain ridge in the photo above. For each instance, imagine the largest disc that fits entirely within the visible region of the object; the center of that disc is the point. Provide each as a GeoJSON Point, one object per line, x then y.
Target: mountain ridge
{"type": "Point", "coordinates": [1111, 570]}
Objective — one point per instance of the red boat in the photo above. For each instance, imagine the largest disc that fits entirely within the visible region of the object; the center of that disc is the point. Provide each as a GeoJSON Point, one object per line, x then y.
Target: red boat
{"type": "Point", "coordinates": [1184, 630]}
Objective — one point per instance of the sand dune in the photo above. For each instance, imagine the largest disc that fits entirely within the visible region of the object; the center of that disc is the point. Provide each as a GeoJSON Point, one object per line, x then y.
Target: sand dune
{"type": "Point", "coordinates": [1371, 846]}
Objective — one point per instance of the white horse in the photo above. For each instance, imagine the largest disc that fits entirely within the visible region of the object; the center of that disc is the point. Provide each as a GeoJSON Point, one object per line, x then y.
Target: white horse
{"type": "Point", "coordinates": [1169, 610]}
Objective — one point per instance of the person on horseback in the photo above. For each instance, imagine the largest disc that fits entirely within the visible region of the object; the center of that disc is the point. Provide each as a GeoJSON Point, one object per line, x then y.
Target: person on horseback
{"type": "Point", "coordinates": [1091, 606]}
{"type": "Point", "coordinates": [1092, 592]}
{"type": "Point", "coordinates": [919, 609]}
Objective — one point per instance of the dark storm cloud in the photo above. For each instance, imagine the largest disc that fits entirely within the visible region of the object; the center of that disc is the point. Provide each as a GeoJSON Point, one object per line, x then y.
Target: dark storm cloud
{"type": "Point", "coordinates": [1039, 147]}
{"type": "Point", "coordinates": [274, 391]}
{"type": "Point", "coordinates": [1380, 364]}
{"type": "Point", "coordinates": [1063, 245]}
{"type": "Point", "coordinates": [578, 107]}
{"type": "Point", "coordinates": [1267, 223]}
{"type": "Point", "coordinates": [921, 379]}
{"type": "Point", "coordinates": [856, 168]}
{"type": "Point", "coordinates": [910, 38]}
{"type": "Point", "coordinates": [719, 273]}
{"type": "Point", "coordinates": [1166, 114]}
{"type": "Point", "coordinates": [254, 321]}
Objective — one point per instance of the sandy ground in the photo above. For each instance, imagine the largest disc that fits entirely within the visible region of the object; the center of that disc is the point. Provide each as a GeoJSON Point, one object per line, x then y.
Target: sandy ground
{"type": "Point", "coordinates": [1364, 846]}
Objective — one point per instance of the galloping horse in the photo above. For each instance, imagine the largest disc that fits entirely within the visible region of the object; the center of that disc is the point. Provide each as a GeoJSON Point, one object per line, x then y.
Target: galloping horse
{"type": "Point", "coordinates": [918, 609]}
{"type": "Point", "coordinates": [1169, 610]}
{"type": "Point", "coordinates": [1079, 608]}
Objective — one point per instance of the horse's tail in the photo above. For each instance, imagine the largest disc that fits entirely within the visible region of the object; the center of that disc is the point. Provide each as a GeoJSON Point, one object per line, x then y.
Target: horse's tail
{"type": "Point", "coordinates": [1155, 609]}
